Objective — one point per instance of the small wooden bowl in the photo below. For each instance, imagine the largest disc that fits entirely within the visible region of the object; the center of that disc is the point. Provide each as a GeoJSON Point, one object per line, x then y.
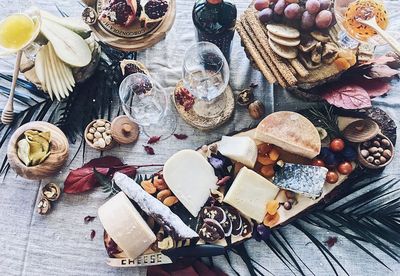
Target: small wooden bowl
{"type": "Point", "coordinates": [90, 143]}
{"type": "Point", "coordinates": [59, 149]}
{"type": "Point", "coordinates": [368, 165]}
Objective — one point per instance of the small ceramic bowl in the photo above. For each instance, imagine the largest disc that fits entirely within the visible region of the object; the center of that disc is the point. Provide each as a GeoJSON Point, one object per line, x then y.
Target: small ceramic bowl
{"type": "Point", "coordinates": [369, 165]}
{"type": "Point", "coordinates": [91, 143]}
{"type": "Point", "coordinates": [59, 150]}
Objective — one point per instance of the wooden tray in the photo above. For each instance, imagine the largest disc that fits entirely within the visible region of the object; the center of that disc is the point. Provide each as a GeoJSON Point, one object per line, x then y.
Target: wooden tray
{"type": "Point", "coordinates": [135, 38]}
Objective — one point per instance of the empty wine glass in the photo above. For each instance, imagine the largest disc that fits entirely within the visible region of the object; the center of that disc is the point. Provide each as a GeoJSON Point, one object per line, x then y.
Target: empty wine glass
{"type": "Point", "coordinates": [146, 102]}
{"type": "Point", "coordinates": [348, 14]}
{"type": "Point", "coordinates": [206, 76]}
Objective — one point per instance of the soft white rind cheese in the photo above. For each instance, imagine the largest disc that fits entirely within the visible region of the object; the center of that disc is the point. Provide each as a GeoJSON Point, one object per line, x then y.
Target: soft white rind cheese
{"type": "Point", "coordinates": [190, 177]}
{"type": "Point", "coordinates": [250, 193]}
{"type": "Point", "coordinates": [125, 225]}
{"type": "Point", "coordinates": [240, 149]}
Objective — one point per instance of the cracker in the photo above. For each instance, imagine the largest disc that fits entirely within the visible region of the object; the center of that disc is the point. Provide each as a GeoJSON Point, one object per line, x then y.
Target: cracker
{"type": "Point", "coordinates": [291, 42]}
{"type": "Point", "coordinates": [283, 51]}
{"type": "Point", "coordinates": [283, 31]}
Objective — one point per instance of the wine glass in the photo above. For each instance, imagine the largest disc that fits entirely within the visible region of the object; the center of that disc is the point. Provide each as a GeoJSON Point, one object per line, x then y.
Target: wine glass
{"type": "Point", "coordinates": [206, 76]}
{"type": "Point", "coordinates": [146, 102]}
{"type": "Point", "coordinates": [348, 14]}
{"type": "Point", "coordinates": [19, 27]}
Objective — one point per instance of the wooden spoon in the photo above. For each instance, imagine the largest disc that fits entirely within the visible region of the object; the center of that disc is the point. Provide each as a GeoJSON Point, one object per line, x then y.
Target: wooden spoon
{"type": "Point", "coordinates": [7, 115]}
{"type": "Point", "coordinates": [390, 40]}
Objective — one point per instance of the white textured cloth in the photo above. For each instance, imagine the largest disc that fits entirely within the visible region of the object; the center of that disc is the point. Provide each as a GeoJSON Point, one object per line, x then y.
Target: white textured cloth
{"type": "Point", "coordinates": [59, 244]}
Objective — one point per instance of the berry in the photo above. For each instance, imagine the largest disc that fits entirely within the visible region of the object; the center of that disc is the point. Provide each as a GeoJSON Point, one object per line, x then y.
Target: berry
{"type": "Point", "coordinates": [345, 168]}
{"type": "Point", "coordinates": [292, 11]}
{"type": "Point", "coordinates": [280, 7]}
{"type": "Point", "coordinates": [156, 9]}
{"type": "Point", "coordinates": [313, 6]}
{"type": "Point", "coordinates": [336, 145]}
{"type": "Point", "coordinates": [263, 231]}
{"type": "Point", "coordinates": [324, 19]}
{"type": "Point", "coordinates": [349, 153]}
{"type": "Point", "coordinates": [331, 160]}
{"type": "Point", "coordinates": [307, 20]}
{"type": "Point", "coordinates": [324, 152]}
{"type": "Point", "coordinates": [261, 4]}
{"type": "Point", "coordinates": [265, 15]}
{"type": "Point", "coordinates": [332, 177]}
{"type": "Point", "coordinates": [318, 162]}
{"type": "Point", "coordinates": [120, 12]}
{"type": "Point", "coordinates": [325, 4]}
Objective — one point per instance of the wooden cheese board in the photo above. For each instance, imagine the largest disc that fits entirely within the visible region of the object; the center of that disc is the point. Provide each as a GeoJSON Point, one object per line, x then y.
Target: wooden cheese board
{"type": "Point", "coordinates": [138, 36]}
{"type": "Point", "coordinates": [199, 247]}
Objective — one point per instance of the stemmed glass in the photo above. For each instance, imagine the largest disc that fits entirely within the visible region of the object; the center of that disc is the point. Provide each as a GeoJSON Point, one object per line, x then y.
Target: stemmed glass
{"type": "Point", "coordinates": [354, 32]}
{"type": "Point", "coordinates": [206, 76]}
{"type": "Point", "coordinates": [19, 27]}
{"type": "Point", "coordinates": [146, 102]}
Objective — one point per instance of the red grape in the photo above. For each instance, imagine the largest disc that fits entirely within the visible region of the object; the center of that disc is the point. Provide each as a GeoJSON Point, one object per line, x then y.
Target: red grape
{"type": "Point", "coordinates": [261, 4]}
{"type": "Point", "coordinates": [265, 15]}
{"type": "Point", "coordinates": [292, 11]}
{"type": "Point", "coordinates": [323, 19]}
{"type": "Point", "coordinates": [325, 4]}
{"type": "Point", "coordinates": [273, 1]}
{"type": "Point", "coordinates": [307, 20]}
{"type": "Point", "coordinates": [280, 7]}
{"type": "Point", "coordinates": [313, 6]}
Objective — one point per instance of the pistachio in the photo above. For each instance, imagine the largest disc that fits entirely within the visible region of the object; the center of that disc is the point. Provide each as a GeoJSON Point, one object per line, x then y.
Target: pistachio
{"type": "Point", "coordinates": [90, 136]}
{"type": "Point", "coordinates": [376, 143]}
{"type": "Point", "coordinates": [385, 142]}
{"type": "Point", "coordinates": [382, 159]}
{"type": "Point", "coordinates": [97, 134]}
{"type": "Point", "coordinates": [108, 131]}
{"type": "Point", "coordinates": [101, 129]}
{"type": "Point", "coordinates": [108, 140]}
{"type": "Point", "coordinates": [364, 153]}
{"type": "Point", "coordinates": [101, 143]}
{"type": "Point", "coordinates": [377, 162]}
{"type": "Point", "coordinates": [376, 155]}
{"type": "Point", "coordinates": [107, 125]}
{"type": "Point", "coordinates": [373, 150]}
{"type": "Point", "coordinates": [387, 154]}
{"type": "Point", "coordinates": [92, 130]}
{"type": "Point", "coordinates": [370, 159]}
{"type": "Point", "coordinates": [380, 149]}
{"type": "Point", "coordinates": [101, 123]}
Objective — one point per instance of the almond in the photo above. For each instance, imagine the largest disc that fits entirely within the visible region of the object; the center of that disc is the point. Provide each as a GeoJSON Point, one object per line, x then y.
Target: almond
{"type": "Point", "coordinates": [159, 183]}
{"type": "Point", "coordinates": [171, 200]}
{"type": "Point", "coordinates": [148, 186]}
{"type": "Point", "coordinates": [162, 195]}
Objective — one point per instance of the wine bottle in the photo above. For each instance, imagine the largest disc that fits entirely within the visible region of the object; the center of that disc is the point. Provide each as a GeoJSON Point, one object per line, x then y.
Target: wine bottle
{"type": "Point", "coordinates": [215, 22]}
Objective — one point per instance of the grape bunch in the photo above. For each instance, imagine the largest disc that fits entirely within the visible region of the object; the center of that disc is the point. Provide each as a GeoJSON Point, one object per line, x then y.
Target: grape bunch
{"type": "Point", "coordinates": [308, 13]}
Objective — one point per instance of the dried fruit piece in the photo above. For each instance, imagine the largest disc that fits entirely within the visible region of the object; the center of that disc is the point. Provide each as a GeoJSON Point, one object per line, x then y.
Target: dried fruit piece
{"type": "Point", "coordinates": [265, 160]}
{"type": "Point", "coordinates": [159, 183]}
{"type": "Point", "coordinates": [148, 186]}
{"type": "Point", "coordinates": [268, 171]}
{"type": "Point", "coordinates": [274, 154]}
{"type": "Point", "coordinates": [171, 200]}
{"type": "Point", "coordinates": [342, 64]}
{"type": "Point", "coordinates": [272, 207]}
{"type": "Point", "coordinates": [264, 148]}
{"type": "Point", "coordinates": [271, 220]}
{"type": "Point", "coordinates": [161, 196]}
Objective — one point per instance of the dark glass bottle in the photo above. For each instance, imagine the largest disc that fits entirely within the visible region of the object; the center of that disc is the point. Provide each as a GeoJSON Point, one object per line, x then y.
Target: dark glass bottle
{"type": "Point", "coordinates": [215, 22]}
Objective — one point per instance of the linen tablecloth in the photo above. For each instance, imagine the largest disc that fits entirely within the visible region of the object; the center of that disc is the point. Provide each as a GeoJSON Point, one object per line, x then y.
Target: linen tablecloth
{"type": "Point", "coordinates": [60, 244]}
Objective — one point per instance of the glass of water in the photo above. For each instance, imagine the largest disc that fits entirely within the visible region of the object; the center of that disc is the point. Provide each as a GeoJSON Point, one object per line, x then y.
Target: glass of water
{"type": "Point", "coordinates": [146, 102]}
{"type": "Point", "coordinates": [206, 76]}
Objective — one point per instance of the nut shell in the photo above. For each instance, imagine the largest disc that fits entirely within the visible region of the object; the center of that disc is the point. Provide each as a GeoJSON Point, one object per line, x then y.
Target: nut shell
{"type": "Point", "coordinates": [256, 110]}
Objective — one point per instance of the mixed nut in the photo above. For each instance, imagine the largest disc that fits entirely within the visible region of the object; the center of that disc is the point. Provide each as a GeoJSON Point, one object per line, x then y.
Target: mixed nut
{"type": "Point", "coordinates": [159, 188]}
{"type": "Point", "coordinates": [50, 193]}
{"type": "Point", "coordinates": [377, 151]}
{"type": "Point", "coordinates": [99, 134]}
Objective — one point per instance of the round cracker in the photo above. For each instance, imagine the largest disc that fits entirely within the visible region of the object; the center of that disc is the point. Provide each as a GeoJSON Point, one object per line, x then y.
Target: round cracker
{"type": "Point", "coordinates": [291, 42]}
{"type": "Point", "coordinates": [283, 51]}
{"type": "Point", "coordinates": [283, 31]}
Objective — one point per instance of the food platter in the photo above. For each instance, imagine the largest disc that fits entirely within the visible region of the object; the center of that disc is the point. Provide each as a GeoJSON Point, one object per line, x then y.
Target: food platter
{"type": "Point", "coordinates": [144, 32]}
{"type": "Point", "coordinates": [199, 211]}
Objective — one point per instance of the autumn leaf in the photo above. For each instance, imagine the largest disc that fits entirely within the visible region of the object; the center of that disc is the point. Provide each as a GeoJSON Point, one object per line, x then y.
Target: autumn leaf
{"type": "Point", "coordinates": [331, 241]}
{"type": "Point", "coordinates": [381, 71]}
{"type": "Point", "coordinates": [92, 234]}
{"type": "Point", "coordinates": [104, 162]}
{"type": "Point", "coordinates": [181, 136]}
{"type": "Point", "coordinates": [153, 140]}
{"type": "Point", "coordinates": [347, 96]}
{"type": "Point", "coordinates": [149, 150]}
{"type": "Point", "coordinates": [374, 87]}
{"type": "Point", "coordinates": [88, 219]}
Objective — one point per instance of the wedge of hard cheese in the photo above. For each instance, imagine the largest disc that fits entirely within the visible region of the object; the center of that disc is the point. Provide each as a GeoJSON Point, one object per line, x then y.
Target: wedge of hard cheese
{"type": "Point", "coordinates": [250, 193]}
{"type": "Point", "coordinates": [290, 131]}
{"type": "Point", "coordinates": [190, 177]}
{"type": "Point", "coordinates": [240, 149]}
{"type": "Point", "coordinates": [125, 225]}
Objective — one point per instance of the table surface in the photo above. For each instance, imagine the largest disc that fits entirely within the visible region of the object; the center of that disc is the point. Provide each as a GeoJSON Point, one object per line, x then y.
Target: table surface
{"type": "Point", "coordinates": [60, 244]}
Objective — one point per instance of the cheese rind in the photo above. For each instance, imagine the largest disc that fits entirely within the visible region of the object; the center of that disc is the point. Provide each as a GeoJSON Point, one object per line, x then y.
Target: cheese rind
{"type": "Point", "coordinates": [125, 225]}
{"type": "Point", "coordinates": [190, 177]}
{"type": "Point", "coordinates": [250, 193]}
{"type": "Point", "coordinates": [240, 149]}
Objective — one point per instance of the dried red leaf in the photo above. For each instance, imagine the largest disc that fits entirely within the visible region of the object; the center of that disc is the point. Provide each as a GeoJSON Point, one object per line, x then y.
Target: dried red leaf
{"type": "Point", "coordinates": [88, 219]}
{"type": "Point", "coordinates": [374, 87]}
{"type": "Point", "coordinates": [82, 180]}
{"type": "Point", "coordinates": [381, 60]}
{"type": "Point", "coordinates": [253, 85]}
{"type": "Point", "coordinates": [184, 98]}
{"type": "Point", "coordinates": [347, 96]}
{"type": "Point", "coordinates": [104, 162]}
{"type": "Point", "coordinates": [92, 234]}
{"type": "Point", "coordinates": [331, 241]}
{"type": "Point", "coordinates": [149, 150]}
{"type": "Point", "coordinates": [223, 181]}
{"type": "Point", "coordinates": [128, 170]}
{"type": "Point", "coordinates": [181, 136]}
{"type": "Point", "coordinates": [153, 140]}
{"type": "Point", "coordinates": [381, 71]}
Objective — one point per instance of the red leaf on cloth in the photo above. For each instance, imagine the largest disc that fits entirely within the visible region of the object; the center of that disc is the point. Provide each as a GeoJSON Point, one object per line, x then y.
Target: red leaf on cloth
{"type": "Point", "coordinates": [153, 140]}
{"type": "Point", "coordinates": [83, 179]}
{"type": "Point", "coordinates": [92, 234]}
{"type": "Point", "coordinates": [181, 136]}
{"type": "Point", "coordinates": [347, 96]}
{"type": "Point", "coordinates": [331, 241]}
{"type": "Point", "coordinates": [374, 87]}
{"type": "Point", "coordinates": [88, 219]}
{"type": "Point", "coordinates": [104, 162]}
{"type": "Point", "coordinates": [381, 71]}
{"type": "Point", "coordinates": [381, 60]}
{"type": "Point", "coordinates": [149, 150]}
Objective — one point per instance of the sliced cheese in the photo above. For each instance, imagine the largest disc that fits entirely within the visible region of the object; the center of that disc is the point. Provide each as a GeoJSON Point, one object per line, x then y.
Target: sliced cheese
{"type": "Point", "coordinates": [125, 225]}
{"type": "Point", "coordinates": [240, 149]}
{"type": "Point", "coordinates": [250, 193]}
{"type": "Point", "coordinates": [190, 177]}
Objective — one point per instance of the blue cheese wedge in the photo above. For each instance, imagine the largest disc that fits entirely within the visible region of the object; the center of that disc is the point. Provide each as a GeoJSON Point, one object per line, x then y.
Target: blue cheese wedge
{"type": "Point", "coordinates": [250, 193]}
{"type": "Point", "coordinates": [303, 179]}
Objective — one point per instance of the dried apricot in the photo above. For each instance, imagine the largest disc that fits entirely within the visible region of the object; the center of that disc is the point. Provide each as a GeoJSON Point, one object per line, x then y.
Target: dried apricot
{"type": "Point", "coordinates": [265, 160]}
{"type": "Point", "coordinates": [272, 207]}
{"type": "Point", "coordinates": [267, 171]}
{"type": "Point", "coordinates": [148, 186]}
{"type": "Point", "coordinates": [159, 183]}
{"type": "Point", "coordinates": [342, 64]}
{"type": "Point", "coordinates": [271, 220]}
{"type": "Point", "coordinates": [274, 154]}
{"type": "Point", "coordinates": [264, 148]}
